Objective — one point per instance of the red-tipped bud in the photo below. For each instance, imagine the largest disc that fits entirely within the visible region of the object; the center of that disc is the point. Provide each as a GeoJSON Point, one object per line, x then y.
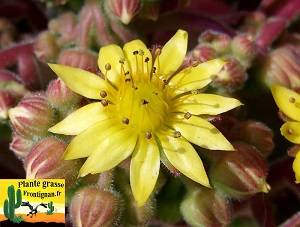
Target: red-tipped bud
{"type": "Point", "coordinates": [20, 146]}
{"type": "Point", "coordinates": [124, 10]}
{"type": "Point", "coordinates": [258, 135]}
{"type": "Point", "coordinates": [203, 53]}
{"type": "Point", "coordinates": [45, 162]}
{"type": "Point", "coordinates": [240, 173]}
{"type": "Point", "coordinates": [32, 117]}
{"type": "Point", "coordinates": [231, 77]}
{"type": "Point", "coordinates": [244, 49]}
{"type": "Point", "coordinates": [60, 95]}
{"type": "Point", "coordinates": [84, 59]}
{"type": "Point", "coordinates": [205, 207]}
{"type": "Point", "coordinates": [282, 67]}
{"type": "Point", "coordinates": [92, 206]}
{"type": "Point", "coordinates": [46, 47]}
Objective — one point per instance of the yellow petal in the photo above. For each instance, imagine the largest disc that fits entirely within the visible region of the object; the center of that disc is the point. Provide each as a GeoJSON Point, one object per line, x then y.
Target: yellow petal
{"type": "Point", "coordinates": [110, 151]}
{"type": "Point", "coordinates": [183, 157]}
{"type": "Point", "coordinates": [287, 101]}
{"type": "Point", "coordinates": [204, 104]}
{"type": "Point", "coordinates": [172, 55]}
{"type": "Point", "coordinates": [138, 67]}
{"type": "Point", "coordinates": [194, 78]}
{"type": "Point", "coordinates": [87, 141]}
{"type": "Point", "coordinates": [291, 131]}
{"type": "Point", "coordinates": [201, 133]}
{"type": "Point", "coordinates": [81, 119]}
{"type": "Point", "coordinates": [296, 167]}
{"type": "Point", "coordinates": [82, 82]}
{"type": "Point", "coordinates": [112, 54]}
{"type": "Point", "coordinates": [144, 169]}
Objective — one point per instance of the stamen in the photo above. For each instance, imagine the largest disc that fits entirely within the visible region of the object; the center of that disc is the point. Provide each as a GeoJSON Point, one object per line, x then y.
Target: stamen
{"type": "Point", "coordinates": [108, 66]}
{"type": "Point", "coordinates": [127, 80]}
{"type": "Point", "coordinates": [122, 61]}
{"type": "Point", "coordinates": [103, 94]}
{"type": "Point", "coordinates": [292, 100]}
{"type": "Point", "coordinates": [158, 52]}
{"type": "Point", "coordinates": [147, 59]}
{"type": "Point", "coordinates": [148, 135]}
{"type": "Point", "coordinates": [104, 103]}
{"type": "Point", "coordinates": [135, 52]}
{"type": "Point", "coordinates": [195, 63]}
{"type": "Point", "coordinates": [187, 115]}
{"type": "Point", "coordinates": [177, 134]}
{"type": "Point", "coordinates": [144, 101]}
{"type": "Point", "coordinates": [125, 120]}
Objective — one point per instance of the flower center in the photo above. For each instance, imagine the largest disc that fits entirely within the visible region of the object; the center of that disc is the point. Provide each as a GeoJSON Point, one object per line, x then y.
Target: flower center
{"type": "Point", "coordinates": [141, 105]}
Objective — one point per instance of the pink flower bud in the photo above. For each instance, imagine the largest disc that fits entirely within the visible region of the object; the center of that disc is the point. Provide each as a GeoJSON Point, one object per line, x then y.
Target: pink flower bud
{"type": "Point", "coordinates": [46, 47]}
{"type": "Point", "coordinates": [32, 117]}
{"type": "Point", "coordinates": [44, 162]}
{"type": "Point", "coordinates": [205, 207]}
{"type": "Point", "coordinates": [244, 49]}
{"type": "Point", "coordinates": [203, 53]}
{"type": "Point", "coordinates": [231, 77]}
{"type": "Point", "coordinates": [282, 67]}
{"type": "Point", "coordinates": [122, 9]}
{"type": "Point", "coordinates": [20, 146]}
{"type": "Point", "coordinates": [60, 95]}
{"type": "Point", "coordinates": [84, 59]}
{"type": "Point", "coordinates": [239, 173]}
{"type": "Point", "coordinates": [92, 206]}
{"type": "Point", "coordinates": [219, 41]}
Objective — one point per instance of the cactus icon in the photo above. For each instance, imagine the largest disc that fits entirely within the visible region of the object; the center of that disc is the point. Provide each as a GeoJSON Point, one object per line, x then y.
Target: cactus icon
{"type": "Point", "coordinates": [10, 205]}
{"type": "Point", "coordinates": [51, 208]}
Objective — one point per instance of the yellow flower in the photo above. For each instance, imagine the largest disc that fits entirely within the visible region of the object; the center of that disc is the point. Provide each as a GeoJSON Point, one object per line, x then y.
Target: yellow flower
{"type": "Point", "coordinates": [288, 102]}
{"type": "Point", "coordinates": [147, 110]}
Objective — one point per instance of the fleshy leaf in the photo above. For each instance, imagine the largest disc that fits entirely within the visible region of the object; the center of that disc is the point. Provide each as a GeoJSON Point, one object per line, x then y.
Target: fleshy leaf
{"type": "Point", "coordinates": [110, 151]}
{"type": "Point", "coordinates": [202, 133]}
{"type": "Point", "coordinates": [86, 142]}
{"type": "Point", "coordinates": [291, 131]}
{"type": "Point", "coordinates": [194, 78]}
{"type": "Point", "coordinates": [172, 55]}
{"type": "Point", "coordinates": [204, 104]}
{"type": "Point", "coordinates": [138, 67]}
{"type": "Point", "coordinates": [81, 119]}
{"type": "Point", "coordinates": [144, 169]}
{"type": "Point", "coordinates": [82, 82]}
{"type": "Point", "coordinates": [287, 101]}
{"type": "Point", "coordinates": [183, 156]}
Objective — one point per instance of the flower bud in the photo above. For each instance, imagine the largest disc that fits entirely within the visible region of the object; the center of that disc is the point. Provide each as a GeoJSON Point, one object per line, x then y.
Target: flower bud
{"type": "Point", "coordinates": [32, 117]}
{"type": "Point", "coordinates": [205, 207]}
{"type": "Point", "coordinates": [231, 77]}
{"type": "Point", "coordinates": [243, 49]}
{"type": "Point", "coordinates": [239, 173]}
{"type": "Point", "coordinates": [218, 41]}
{"type": "Point", "coordinates": [203, 53]}
{"type": "Point", "coordinates": [20, 146]}
{"type": "Point", "coordinates": [46, 47]}
{"type": "Point", "coordinates": [60, 95]}
{"type": "Point", "coordinates": [258, 135]}
{"type": "Point", "coordinates": [84, 59]}
{"type": "Point", "coordinates": [124, 10]}
{"type": "Point", "coordinates": [92, 206]}
{"type": "Point", "coordinates": [282, 67]}
{"type": "Point", "coordinates": [44, 162]}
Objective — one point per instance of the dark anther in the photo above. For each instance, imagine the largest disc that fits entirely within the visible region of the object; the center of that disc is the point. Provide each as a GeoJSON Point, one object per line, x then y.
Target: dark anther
{"type": "Point", "coordinates": [122, 60]}
{"type": "Point", "coordinates": [165, 82]}
{"type": "Point", "coordinates": [127, 80]}
{"type": "Point", "coordinates": [126, 73]}
{"type": "Point", "coordinates": [135, 52]}
{"type": "Point", "coordinates": [148, 135]}
{"type": "Point", "coordinates": [187, 115]}
{"type": "Point", "coordinates": [134, 87]}
{"type": "Point", "coordinates": [147, 59]}
{"type": "Point", "coordinates": [108, 66]}
{"type": "Point", "coordinates": [177, 134]}
{"type": "Point", "coordinates": [154, 92]}
{"type": "Point", "coordinates": [103, 94]}
{"type": "Point", "coordinates": [154, 69]}
{"type": "Point", "coordinates": [144, 101]}
{"type": "Point", "coordinates": [104, 103]}
{"type": "Point", "coordinates": [125, 120]}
